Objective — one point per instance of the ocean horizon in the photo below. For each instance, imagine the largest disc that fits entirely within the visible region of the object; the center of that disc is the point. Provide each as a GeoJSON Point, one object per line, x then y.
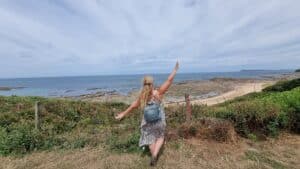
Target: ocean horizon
{"type": "Point", "coordinates": [123, 84]}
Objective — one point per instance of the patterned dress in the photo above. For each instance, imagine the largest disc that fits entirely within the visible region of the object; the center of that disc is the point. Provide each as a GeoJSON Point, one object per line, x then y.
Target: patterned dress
{"type": "Point", "coordinates": [152, 131]}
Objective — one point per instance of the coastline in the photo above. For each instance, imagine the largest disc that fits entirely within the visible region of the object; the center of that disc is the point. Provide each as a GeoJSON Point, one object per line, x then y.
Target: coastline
{"type": "Point", "coordinates": [91, 127]}
{"type": "Point", "coordinates": [209, 92]}
{"type": "Point", "coordinates": [239, 90]}
{"type": "Point", "coordinates": [212, 91]}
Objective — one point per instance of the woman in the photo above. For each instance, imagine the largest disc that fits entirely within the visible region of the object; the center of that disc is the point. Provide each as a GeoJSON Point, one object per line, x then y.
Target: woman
{"type": "Point", "coordinates": [152, 126]}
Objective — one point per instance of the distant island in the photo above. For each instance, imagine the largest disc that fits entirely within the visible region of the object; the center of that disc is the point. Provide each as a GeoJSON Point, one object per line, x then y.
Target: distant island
{"type": "Point", "coordinates": [5, 88]}
{"type": "Point", "coordinates": [262, 70]}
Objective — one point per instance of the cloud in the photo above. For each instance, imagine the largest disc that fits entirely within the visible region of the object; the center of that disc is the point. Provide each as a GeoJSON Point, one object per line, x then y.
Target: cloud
{"type": "Point", "coordinates": [69, 37]}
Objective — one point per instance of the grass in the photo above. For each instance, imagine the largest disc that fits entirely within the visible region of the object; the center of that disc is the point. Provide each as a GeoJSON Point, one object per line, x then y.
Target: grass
{"type": "Point", "coordinates": [69, 124]}
{"type": "Point", "coordinates": [64, 124]}
{"type": "Point", "coordinates": [265, 112]}
{"type": "Point", "coordinates": [262, 158]}
{"type": "Point", "coordinates": [283, 86]}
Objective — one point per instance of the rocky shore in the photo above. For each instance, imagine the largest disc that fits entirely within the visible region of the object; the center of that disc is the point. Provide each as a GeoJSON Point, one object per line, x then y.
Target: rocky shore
{"type": "Point", "coordinates": [199, 90]}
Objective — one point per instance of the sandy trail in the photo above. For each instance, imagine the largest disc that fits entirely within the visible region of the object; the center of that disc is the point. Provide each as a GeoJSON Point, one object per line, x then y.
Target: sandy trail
{"type": "Point", "coordinates": [239, 90]}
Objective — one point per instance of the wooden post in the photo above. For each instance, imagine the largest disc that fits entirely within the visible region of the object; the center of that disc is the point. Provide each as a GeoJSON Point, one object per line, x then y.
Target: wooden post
{"type": "Point", "coordinates": [188, 111]}
{"type": "Point", "coordinates": [37, 123]}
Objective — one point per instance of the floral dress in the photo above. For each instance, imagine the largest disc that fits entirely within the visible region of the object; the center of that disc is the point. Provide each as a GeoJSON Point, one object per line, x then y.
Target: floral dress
{"type": "Point", "coordinates": [150, 132]}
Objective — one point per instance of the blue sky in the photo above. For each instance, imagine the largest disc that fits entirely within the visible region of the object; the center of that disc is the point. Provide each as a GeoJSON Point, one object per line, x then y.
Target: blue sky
{"type": "Point", "coordinates": [91, 37]}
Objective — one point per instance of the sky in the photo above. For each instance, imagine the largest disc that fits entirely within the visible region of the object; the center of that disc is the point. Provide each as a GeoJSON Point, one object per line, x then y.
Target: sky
{"type": "Point", "coordinates": [98, 37]}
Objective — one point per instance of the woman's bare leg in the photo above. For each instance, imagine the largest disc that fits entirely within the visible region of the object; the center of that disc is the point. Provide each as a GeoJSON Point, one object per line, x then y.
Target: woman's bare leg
{"type": "Point", "coordinates": [158, 144]}
{"type": "Point", "coordinates": [152, 148]}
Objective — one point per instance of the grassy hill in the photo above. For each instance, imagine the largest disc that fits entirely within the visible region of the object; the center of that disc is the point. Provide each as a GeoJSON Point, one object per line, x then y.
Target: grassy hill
{"type": "Point", "coordinates": [70, 125]}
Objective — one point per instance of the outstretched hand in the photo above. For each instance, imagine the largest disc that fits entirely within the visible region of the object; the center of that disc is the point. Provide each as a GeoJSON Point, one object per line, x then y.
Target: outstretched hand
{"type": "Point", "coordinates": [177, 66]}
{"type": "Point", "coordinates": [119, 116]}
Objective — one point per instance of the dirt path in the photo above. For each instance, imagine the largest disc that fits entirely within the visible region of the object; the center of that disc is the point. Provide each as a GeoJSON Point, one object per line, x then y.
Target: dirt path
{"type": "Point", "coordinates": [239, 90]}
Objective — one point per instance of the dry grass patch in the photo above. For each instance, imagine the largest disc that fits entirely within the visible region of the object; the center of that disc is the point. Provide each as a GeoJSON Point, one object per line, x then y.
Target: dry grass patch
{"type": "Point", "coordinates": [192, 153]}
{"type": "Point", "coordinates": [206, 128]}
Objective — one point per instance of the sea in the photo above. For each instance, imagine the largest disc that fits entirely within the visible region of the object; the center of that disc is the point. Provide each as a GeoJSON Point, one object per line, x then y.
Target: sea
{"type": "Point", "coordinates": [122, 84]}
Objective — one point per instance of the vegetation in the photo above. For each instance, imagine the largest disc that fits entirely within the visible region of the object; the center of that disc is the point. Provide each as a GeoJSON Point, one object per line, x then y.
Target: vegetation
{"type": "Point", "coordinates": [255, 156]}
{"type": "Point", "coordinates": [297, 70]}
{"type": "Point", "coordinates": [75, 124]}
{"type": "Point", "coordinates": [283, 86]}
{"type": "Point", "coordinates": [64, 124]}
{"type": "Point", "coordinates": [262, 113]}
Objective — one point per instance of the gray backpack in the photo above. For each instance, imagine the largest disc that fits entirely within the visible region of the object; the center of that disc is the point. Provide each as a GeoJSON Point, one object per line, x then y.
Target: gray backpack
{"type": "Point", "coordinates": [152, 112]}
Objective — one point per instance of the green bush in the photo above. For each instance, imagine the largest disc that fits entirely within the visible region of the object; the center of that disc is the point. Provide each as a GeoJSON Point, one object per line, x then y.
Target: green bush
{"type": "Point", "coordinates": [283, 86]}
{"type": "Point", "coordinates": [125, 145]}
{"type": "Point", "coordinates": [252, 137]}
{"type": "Point", "coordinates": [251, 116]}
{"type": "Point", "coordinates": [283, 120]}
{"type": "Point", "coordinates": [284, 110]}
{"type": "Point", "coordinates": [19, 140]}
{"type": "Point", "coordinates": [4, 148]}
{"type": "Point", "coordinates": [273, 128]}
{"type": "Point", "coordinates": [265, 112]}
{"type": "Point", "coordinates": [294, 119]}
{"type": "Point", "coordinates": [60, 122]}
{"type": "Point", "coordinates": [7, 119]}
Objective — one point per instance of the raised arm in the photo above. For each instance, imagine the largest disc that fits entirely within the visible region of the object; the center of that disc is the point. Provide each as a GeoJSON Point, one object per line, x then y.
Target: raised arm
{"type": "Point", "coordinates": [165, 86]}
{"type": "Point", "coordinates": [133, 105]}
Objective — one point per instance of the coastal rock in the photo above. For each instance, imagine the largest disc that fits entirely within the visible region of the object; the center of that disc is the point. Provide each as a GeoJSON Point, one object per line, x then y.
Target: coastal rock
{"type": "Point", "coordinates": [69, 91]}
{"type": "Point", "coordinates": [94, 88]}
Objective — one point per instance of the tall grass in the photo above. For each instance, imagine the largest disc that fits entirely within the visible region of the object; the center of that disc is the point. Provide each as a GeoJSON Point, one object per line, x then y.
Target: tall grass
{"type": "Point", "coordinates": [64, 124]}
{"type": "Point", "coordinates": [69, 124]}
{"type": "Point", "coordinates": [265, 112]}
{"type": "Point", "coordinates": [283, 86]}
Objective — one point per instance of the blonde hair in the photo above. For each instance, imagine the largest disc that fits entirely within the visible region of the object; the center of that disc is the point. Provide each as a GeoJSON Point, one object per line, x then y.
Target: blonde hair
{"type": "Point", "coordinates": [146, 90]}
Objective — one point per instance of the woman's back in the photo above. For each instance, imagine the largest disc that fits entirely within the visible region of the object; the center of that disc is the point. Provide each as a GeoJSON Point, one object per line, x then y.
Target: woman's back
{"type": "Point", "coordinates": [152, 133]}
{"type": "Point", "coordinates": [155, 97]}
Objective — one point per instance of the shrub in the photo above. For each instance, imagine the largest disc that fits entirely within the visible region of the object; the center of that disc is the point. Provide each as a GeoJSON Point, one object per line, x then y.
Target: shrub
{"type": "Point", "coordinates": [125, 145]}
{"type": "Point", "coordinates": [252, 137]}
{"type": "Point", "coordinates": [272, 128]}
{"type": "Point", "coordinates": [263, 113]}
{"type": "Point", "coordinates": [60, 120]}
{"type": "Point", "coordinates": [283, 86]}
{"type": "Point", "coordinates": [4, 148]}
{"type": "Point", "coordinates": [294, 119]}
{"type": "Point", "coordinates": [7, 119]}
{"type": "Point", "coordinates": [19, 140]}
{"type": "Point", "coordinates": [251, 116]}
{"type": "Point", "coordinates": [283, 120]}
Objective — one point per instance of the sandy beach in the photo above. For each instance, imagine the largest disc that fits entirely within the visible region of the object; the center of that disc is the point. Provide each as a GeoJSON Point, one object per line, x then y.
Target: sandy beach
{"type": "Point", "coordinates": [239, 90]}
{"type": "Point", "coordinates": [209, 92]}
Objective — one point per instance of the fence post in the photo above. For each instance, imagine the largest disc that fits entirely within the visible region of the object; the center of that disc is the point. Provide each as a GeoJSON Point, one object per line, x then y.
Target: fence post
{"type": "Point", "coordinates": [37, 122]}
{"type": "Point", "coordinates": [188, 111]}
